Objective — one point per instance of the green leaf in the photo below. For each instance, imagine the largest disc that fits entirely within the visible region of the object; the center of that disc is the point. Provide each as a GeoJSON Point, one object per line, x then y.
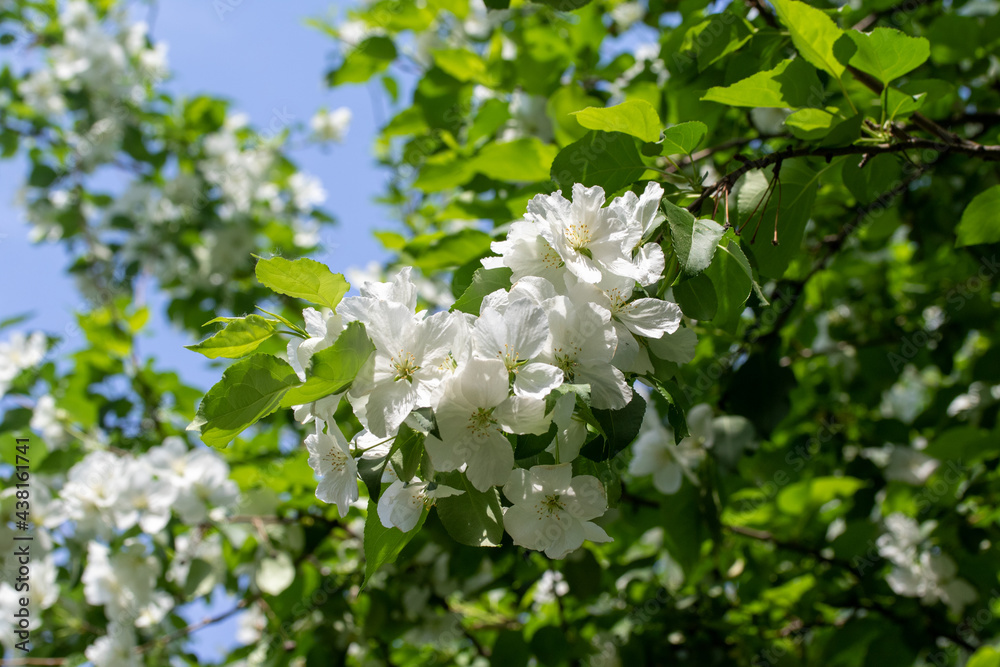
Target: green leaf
{"type": "Point", "coordinates": [732, 279]}
{"type": "Point", "coordinates": [239, 338]}
{"type": "Point", "coordinates": [42, 176]}
{"type": "Point", "coordinates": [331, 371]}
{"type": "Point", "coordinates": [608, 159]}
{"type": "Point", "coordinates": [370, 57]}
{"type": "Point", "coordinates": [635, 117]}
{"type": "Point", "coordinates": [682, 522]}
{"type": "Point", "coordinates": [694, 241]}
{"type": "Point", "coordinates": [303, 279]}
{"type": "Point", "coordinates": [406, 451]}
{"type": "Point", "coordinates": [484, 281]}
{"type": "Point", "coordinates": [884, 53]}
{"type": "Point", "coordinates": [619, 428]}
{"type": "Point", "coordinates": [450, 251]}
{"type": "Point", "coordinates": [676, 404]}
{"type": "Point", "coordinates": [878, 177]}
{"type": "Point", "coordinates": [980, 222]}
{"type": "Point", "coordinates": [810, 124]}
{"type": "Point", "coordinates": [798, 192]}
{"type": "Point", "coordinates": [249, 390]}
{"type": "Point", "coordinates": [809, 495]}
{"type": "Point", "coordinates": [985, 657]}
{"type": "Point", "coordinates": [472, 518]}
{"type": "Point", "coordinates": [791, 84]}
{"type": "Point", "coordinates": [813, 34]}
{"type": "Point", "coordinates": [683, 137]}
{"type": "Point", "coordinates": [462, 64]}
{"type": "Point", "coordinates": [382, 544]}
{"type": "Point", "coordinates": [527, 159]}
{"type": "Point", "coordinates": [697, 298]}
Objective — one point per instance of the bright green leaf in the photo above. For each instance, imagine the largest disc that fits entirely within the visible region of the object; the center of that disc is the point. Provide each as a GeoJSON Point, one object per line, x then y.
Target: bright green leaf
{"type": "Point", "coordinates": [332, 370]}
{"type": "Point", "coordinates": [239, 338]}
{"type": "Point", "coordinates": [484, 281]}
{"type": "Point", "coordinates": [789, 85]}
{"type": "Point", "coordinates": [635, 117]}
{"type": "Point", "coordinates": [884, 53]}
{"type": "Point", "coordinates": [249, 390]}
{"type": "Point", "coordinates": [980, 222]}
{"type": "Point", "coordinates": [813, 34]}
{"type": "Point", "coordinates": [683, 137]}
{"type": "Point", "coordinates": [303, 279]}
{"type": "Point", "coordinates": [694, 241]}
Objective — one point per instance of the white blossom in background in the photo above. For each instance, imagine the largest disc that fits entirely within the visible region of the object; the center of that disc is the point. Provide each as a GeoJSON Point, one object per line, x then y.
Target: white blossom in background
{"type": "Point", "coordinates": [656, 454]}
{"type": "Point", "coordinates": [920, 570]}
{"type": "Point", "coordinates": [553, 511]}
{"type": "Point", "coordinates": [331, 125]}
{"type": "Point", "coordinates": [43, 592]}
{"type": "Point", "coordinates": [141, 498]}
{"type": "Point", "coordinates": [627, 13]}
{"type": "Point", "coordinates": [115, 649]}
{"type": "Point", "coordinates": [901, 463]}
{"type": "Point", "coordinates": [19, 353]}
{"type": "Point", "coordinates": [124, 582]}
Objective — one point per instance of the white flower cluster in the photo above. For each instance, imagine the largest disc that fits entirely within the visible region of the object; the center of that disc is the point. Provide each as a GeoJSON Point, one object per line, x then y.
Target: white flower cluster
{"type": "Point", "coordinates": [575, 314]}
{"type": "Point", "coordinates": [919, 569]}
{"type": "Point", "coordinates": [105, 491]}
{"type": "Point", "coordinates": [108, 66]}
{"type": "Point", "coordinates": [19, 353]}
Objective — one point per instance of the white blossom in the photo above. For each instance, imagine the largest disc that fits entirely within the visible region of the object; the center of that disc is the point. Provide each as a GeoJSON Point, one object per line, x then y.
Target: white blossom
{"type": "Point", "coordinates": [331, 125]}
{"type": "Point", "coordinates": [552, 510]}
{"type": "Point", "coordinates": [402, 504]}
{"type": "Point", "coordinates": [330, 458]}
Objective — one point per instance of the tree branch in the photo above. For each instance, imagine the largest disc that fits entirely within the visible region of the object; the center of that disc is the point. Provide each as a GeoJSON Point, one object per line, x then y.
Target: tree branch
{"type": "Point", "coordinates": [986, 153]}
{"type": "Point", "coordinates": [904, 7]}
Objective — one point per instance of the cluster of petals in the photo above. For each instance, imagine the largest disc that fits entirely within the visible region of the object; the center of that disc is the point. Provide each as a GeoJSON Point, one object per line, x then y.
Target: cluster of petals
{"type": "Point", "coordinates": [576, 313]}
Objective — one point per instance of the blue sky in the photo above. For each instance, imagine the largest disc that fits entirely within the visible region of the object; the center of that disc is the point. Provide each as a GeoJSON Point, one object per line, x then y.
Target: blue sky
{"type": "Point", "coordinates": [265, 60]}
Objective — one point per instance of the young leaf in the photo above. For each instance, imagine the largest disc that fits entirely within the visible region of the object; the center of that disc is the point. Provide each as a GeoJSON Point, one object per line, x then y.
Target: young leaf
{"type": "Point", "coordinates": [484, 281]}
{"type": "Point", "coordinates": [694, 241]}
{"type": "Point", "coordinates": [382, 544]}
{"type": "Point", "coordinates": [813, 34]}
{"type": "Point", "coordinates": [332, 370]}
{"type": "Point", "coordinates": [524, 160]}
{"type": "Point", "coordinates": [635, 117]}
{"type": "Point", "coordinates": [303, 279]}
{"type": "Point", "coordinates": [370, 57]}
{"type": "Point", "coordinates": [239, 338]}
{"type": "Point", "coordinates": [791, 84]}
{"type": "Point", "coordinates": [472, 518]}
{"type": "Point", "coordinates": [248, 391]}
{"type": "Point", "coordinates": [884, 53]}
{"type": "Point", "coordinates": [608, 159]}
{"type": "Point", "coordinates": [980, 223]}
{"type": "Point", "coordinates": [810, 124]}
{"type": "Point", "coordinates": [683, 137]}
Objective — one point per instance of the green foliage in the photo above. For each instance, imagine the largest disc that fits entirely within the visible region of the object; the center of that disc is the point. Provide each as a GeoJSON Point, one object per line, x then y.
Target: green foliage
{"type": "Point", "coordinates": [248, 391]}
{"type": "Point", "coordinates": [979, 223]}
{"type": "Point", "coordinates": [303, 279]}
{"type": "Point", "coordinates": [239, 338]}
{"type": "Point", "coordinates": [635, 117]}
